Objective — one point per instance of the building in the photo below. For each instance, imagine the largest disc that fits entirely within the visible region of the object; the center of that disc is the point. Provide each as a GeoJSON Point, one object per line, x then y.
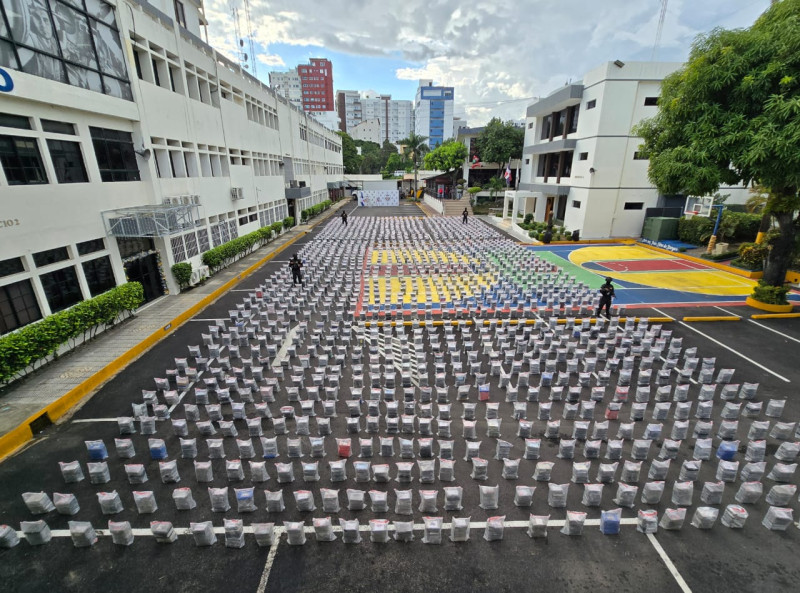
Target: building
{"type": "Point", "coordinates": [477, 172]}
{"type": "Point", "coordinates": [433, 112]}
{"type": "Point", "coordinates": [309, 86]}
{"type": "Point", "coordinates": [396, 117]}
{"type": "Point", "coordinates": [150, 152]}
{"type": "Point", "coordinates": [581, 166]}
{"type": "Point", "coordinates": [369, 130]}
{"type": "Point", "coordinates": [288, 86]}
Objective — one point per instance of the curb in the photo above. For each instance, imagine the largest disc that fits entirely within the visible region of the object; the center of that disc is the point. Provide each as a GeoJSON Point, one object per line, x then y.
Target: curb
{"type": "Point", "coordinates": [714, 318]}
{"type": "Point", "coordinates": [775, 316]}
{"type": "Point", "coordinates": [17, 437]}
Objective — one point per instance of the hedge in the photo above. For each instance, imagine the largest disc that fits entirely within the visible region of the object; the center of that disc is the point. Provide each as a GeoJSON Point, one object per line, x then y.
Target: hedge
{"type": "Point", "coordinates": [225, 254]}
{"type": "Point", "coordinates": [35, 342]}
{"type": "Point", "coordinates": [288, 222]}
{"type": "Point", "coordinates": [314, 210]}
{"type": "Point", "coordinates": [734, 226]}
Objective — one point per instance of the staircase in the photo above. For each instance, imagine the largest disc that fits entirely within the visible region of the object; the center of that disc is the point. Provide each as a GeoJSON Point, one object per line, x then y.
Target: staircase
{"type": "Point", "coordinates": [456, 207]}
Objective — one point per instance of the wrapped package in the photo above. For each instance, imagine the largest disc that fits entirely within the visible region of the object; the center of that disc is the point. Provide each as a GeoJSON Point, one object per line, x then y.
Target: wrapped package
{"type": "Point", "coordinates": [264, 534]}
{"type": "Point", "coordinates": [183, 498]}
{"type": "Point", "coordinates": [323, 529]}
{"type": "Point", "coordinates": [36, 533]}
{"type": "Point", "coordinates": [38, 503]}
{"type": "Point", "coordinates": [145, 502]}
{"type": "Point", "coordinates": [592, 495]}
{"type": "Point", "coordinates": [452, 498]}
{"type": "Point", "coordinates": [378, 531]}
{"type": "Point", "coordinates": [66, 504]}
{"type": "Point", "coordinates": [495, 527]}
{"type": "Point", "coordinates": [705, 517]}
{"type": "Point", "coordinates": [489, 497]}
{"type": "Point", "coordinates": [537, 526]}
{"type": "Point", "coordinates": [459, 529]}
{"type": "Point", "coordinates": [245, 500]}
{"type": "Point", "coordinates": [110, 503]}
{"type": "Point", "coordinates": [403, 531]}
{"type": "Point", "coordinates": [574, 523]}
{"type": "Point", "coordinates": [749, 493]}
{"type": "Point", "coordinates": [652, 492]}
{"type": "Point", "coordinates": [219, 500]}
{"type": "Point", "coordinates": [295, 533]}
{"type": "Point", "coordinates": [610, 521]}
{"type": "Point", "coordinates": [673, 519]}
{"type": "Point", "coordinates": [626, 495]}
{"type": "Point", "coordinates": [682, 493]}
{"type": "Point", "coordinates": [647, 521]}
{"type": "Point", "coordinates": [780, 495]}
{"type": "Point", "coordinates": [98, 472]}
{"type": "Point", "coordinates": [523, 496]}
{"type": "Point", "coordinates": [734, 516]}
{"type": "Point", "coordinates": [82, 533]}
{"type": "Point", "coordinates": [542, 471]}
{"type": "Point", "coordinates": [777, 519]}
{"type": "Point", "coordinates": [433, 530]}
{"type": "Point", "coordinates": [557, 495]}
{"type": "Point", "coordinates": [71, 471]}
{"type": "Point", "coordinates": [163, 531]}
{"type": "Point", "coordinates": [121, 532]}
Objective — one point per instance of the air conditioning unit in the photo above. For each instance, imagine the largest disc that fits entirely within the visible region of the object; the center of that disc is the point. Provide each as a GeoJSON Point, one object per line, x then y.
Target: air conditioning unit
{"type": "Point", "coordinates": [170, 201]}
{"type": "Point", "coordinates": [198, 274]}
{"type": "Point", "coordinates": [190, 200]}
{"type": "Point", "coordinates": [237, 193]}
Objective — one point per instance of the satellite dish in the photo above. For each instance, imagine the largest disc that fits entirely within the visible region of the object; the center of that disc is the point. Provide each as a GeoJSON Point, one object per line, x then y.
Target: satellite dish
{"type": "Point", "coordinates": [144, 153]}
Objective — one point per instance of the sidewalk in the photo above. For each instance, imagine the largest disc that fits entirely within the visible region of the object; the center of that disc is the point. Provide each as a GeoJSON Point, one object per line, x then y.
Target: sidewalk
{"type": "Point", "coordinates": [25, 398]}
{"type": "Point", "coordinates": [507, 227]}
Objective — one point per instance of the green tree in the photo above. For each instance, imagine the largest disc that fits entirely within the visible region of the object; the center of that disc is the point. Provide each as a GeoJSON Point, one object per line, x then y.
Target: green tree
{"type": "Point", "coordinates": [494, 185]}
{"type": "Point", "coordinates": [448, 157]}
{"type": "Point", "coordinates": [499, 142]}
{"type": "Point", "coordinates": [396, 162]}
{"type": "Point", "coordinates": [371, 162]}
{"type": "Point", "coordinates": [350, 157]}
{"type": "Point", "coordinates": [732, 115]}
{"type": "Point", "coordinates": [414, 147]}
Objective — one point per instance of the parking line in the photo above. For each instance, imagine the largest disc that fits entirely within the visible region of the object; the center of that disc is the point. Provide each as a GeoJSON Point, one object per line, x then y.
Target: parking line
{"type": "Point", "coordinates": [670, 566]}
{"type": "Point", "coordinates": [775, 331]}
{"type": "Point", "coordinates": [273, 551]}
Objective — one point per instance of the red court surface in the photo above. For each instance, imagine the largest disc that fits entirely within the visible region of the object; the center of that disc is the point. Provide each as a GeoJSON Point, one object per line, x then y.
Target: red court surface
{"type": "Point", "coordinates": [650, 265]}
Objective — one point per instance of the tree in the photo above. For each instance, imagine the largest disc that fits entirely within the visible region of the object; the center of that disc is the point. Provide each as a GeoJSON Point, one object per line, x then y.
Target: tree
{"type": "Point", "coordinates": [396, 162]}
{"type": "Point", "coordinates": [350, 157]}
{"type": "Point", "coordinates": [494, 186]}
{"type": "Point", "coordinates": [448, 157]}
{"type": "Point", "coordinates": [370, 157]}
{"type": "Point", "coordinates": [414, 147]}
{"type": "Point", "coordinates": [500, 142]}
{"type": "Point", "coordinates": [730, 115]}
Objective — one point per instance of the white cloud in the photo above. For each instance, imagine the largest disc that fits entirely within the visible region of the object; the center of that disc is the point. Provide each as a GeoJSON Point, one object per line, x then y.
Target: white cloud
{"type": "Point", "coordinates": [495, 55]}
{"type": "Point", "coordinates": [273, 60]}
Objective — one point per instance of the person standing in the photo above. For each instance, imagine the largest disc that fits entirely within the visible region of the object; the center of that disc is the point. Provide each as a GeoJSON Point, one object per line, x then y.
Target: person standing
{"type": "Point", "coordinates": [344, 218]}
{"type": "Point", "coordinates": [296, 265]}
{"type": "Point", "coordinates": [606, 294]}
{"type": "Point", "coordinates": [464, 215]}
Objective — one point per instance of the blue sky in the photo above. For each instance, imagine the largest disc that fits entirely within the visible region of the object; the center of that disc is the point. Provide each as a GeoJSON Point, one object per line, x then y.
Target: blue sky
{"type": "Point", "coordinates": [498, 56]}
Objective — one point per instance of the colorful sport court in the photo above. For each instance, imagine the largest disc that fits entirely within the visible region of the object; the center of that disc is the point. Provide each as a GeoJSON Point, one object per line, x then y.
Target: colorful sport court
{"type": "Point", "coordinates": [647, 276]}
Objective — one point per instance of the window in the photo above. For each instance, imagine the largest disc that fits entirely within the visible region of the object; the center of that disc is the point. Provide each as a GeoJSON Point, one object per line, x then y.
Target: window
{"type": "Point", "coordinates": [633, 205]}
{"type": "Point", "coordinates": [58, 127]}
{"type": "Point", "coordinates": [576, 203]}
{"type": "Point", "coordinates": [651, 101]}
{"type": "Point", "coordinates": [540, 168]}
{"type": "Point", "coordinates": [561, 208]}
{"type": "Point", "coordinates": [573, 120]}
{"type": "Point", "coordinates": [566, 171]}
{"type": "Point", "coordinates": [115, 156]}
{"type": "Point", "coordinates": [18, 306]}
{"type": "Point", "coordinates": [639, 156]}
{"type": "Point", "coordinates": [99, 275]}
{"type": "Point", "coordinates": [8, 120]}
{"type": "Point", "coordinates": [562, 121]}
{"type": "Point", "coordinates": [11, 266]}
{"type": "Point", "coordinates": [67, 161]}
{"type": "Point", "coordinates": [591, 104]}
{"type": "Point", "coordinates": [530, 125]}
{"type": "Point", "coordinates": [51, 256]}
{"type": "Point", "coordinates": [546, 121]}
{"type": "Point", "coordinates": [180, 13]}
{"type": "Point", "coordinates": [583, 156]}
{"type": "Point", "coordinates": [91, 246]}
{"type": "Point", "coordinates": [21, 160]}
{"type": "Point", "coordinates": [527, 161]}
{"type": "Point", "coordinates": [61, 288]}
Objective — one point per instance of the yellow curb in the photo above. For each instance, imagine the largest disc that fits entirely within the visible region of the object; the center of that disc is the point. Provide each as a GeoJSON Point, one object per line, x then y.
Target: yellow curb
{"type": "Point", "coordinates": [714, 318]}
{"type": "Point", "coordinates": [18, 436]}
{"type": "Point", "coordinates": [776, 316]}
{"type": "Point", "coordinates": [767, 307]}
{"type": "Point", "coordinates": [706, 262]}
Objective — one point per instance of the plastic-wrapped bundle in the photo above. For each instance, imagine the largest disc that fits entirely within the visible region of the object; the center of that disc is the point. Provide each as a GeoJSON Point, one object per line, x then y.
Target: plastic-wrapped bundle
{"type": "Point", "coordinates": [580, 430]}
{"type": "Point", "coordinates": [492, 428]}
{"type": "Point", "coordinates": [445, 449]}
{"type": "Point", "coordinates": [728, 429]}
{"type": "Point", "coordinates": [126, 425]}
{"type": "Point", "coordinates": [452, 498]}
{"type": "Point", "coordinates": [640, 449]}
{"type": "Point", "coordinates": [216, 448]}
{"type": "Point", "coordinates": [659, 469]}
{"type": "Point", "coordinates": [258, 471]}
{"type": "Point", "coordinates": [580, 472]}
{"type": "Point", "coordinates": [727, 471]}
{"type": "Point", "coordinates": [781, 495]}
{"type": "Point", "coordinates": [403, 531]}
{"type": "Point", "coordinates": [606, 472]}
{"type": "Point", "coordinates": [311, 471]}
{"type": "Point", "coordinates": [480, 469]}
{"type": "Point", "coordinates": [702, 449]}
{"type": "Point", "coordinates": [647, 521]}
{"type": "Point", "coordinates": [689, 471]}
{"type": "Point", "coordinates": [459, 529]}
{"type": "Point", "coordinates": [275, 502]}
{"type": "Point", "coordinates": [97, 450]}
{"type": "Point", "coordinates": [378, 531]}
{"type": "Point", "coordinates": [38, 503]}
{"type": "Point", "coordinates": [610, 521]}
{"type": "Point", "coordinates": [524, 429]}
{"type": "Point", "coordinates": [65, 504]}
{"type": "Point", "coordinates": [782, 472]}
{"type": "Point", "coordinates": [625, 431]}
{"type": "Point", "coordinates": [147, 425]}
{"type": "Point", "coordinates": [427, 471]}
{"type": "Point", "coordinates": [121, 532]}
{"type": "Point", "coordinates": [682, 411]}
{"type": "Point", "coordinates": [234, 533]}
{"type": "Point", "coordinates": [433, 530]}
{"type": "Point", "coordinates": [380, 473]}
{"type": "Point", "coordinates": [286, 472]}
{"type": "Point", "coordinates": [379, 501]}
{"type": "Point", "coordinates": [304, 501]}
{"type": "Point", "coordinates": [403, 502]}
{"type": "Point", "coordinates": [705, 517]}
{"type": "Point", "coordinates": [542, 471]}
{"type": "Point", "coordinates": [510, 469]}
{"type": "Point", "coordinates": [566, 449]}
{"type": "Point", "coordinates": [203, 533]}
{"type": "Point", "coordinates": [532, 448]}
{"type": "Point", "coordinates": [110, 503]}
{"type": "Point", "coordinates": [712, 492]}
{"type": "Point", "coordinates": [124, 447]}
{"type": "Point", "coordinates": [637, 411]}
{"type": "Point", "coordinates": [71, 471]}
{"type": "Point", "coordinates": [36, 533]}
{"type": "Point", "coordinates": [682, 493]}
{"type": "Point", "coordinates": [503, 450]}
{"type": "Point", "coordinates": [759, 430]}
{"type": "Point", "coordinates": [427, 503]}
{"type": "Point", "coordinates": [614, 449]}
{"type": "Point", "coordinates": [777, 519]}
{"type": "Point", "coordinates": [592, 495]}
{"type": "Point", "coordinates": [295, 533]}
{"type": "Point", "coordinates": [407, 448]}
{"type": "Point", "coordinates": [135, 473]}
{"type": "Point", "coordinates": [652, 492]}
{"type": "Point", "coordinates": [294, 448]}
{"type": "Point", "coordinates": [631, 471]}
{"type": "Point", "coordinates": [203, 471]}
{"type": "Point", "coordinates": [753, 472]}
{"type": "Point", "coordinates": [557, 495]}
{"type": "Point", "coordinates": [145, 502]}
{"type": "Point", "coordinates": [387, 446]}
{"type": "Point", "coordinates": [219, 500]}
{"type": "Point", "coordinates": [734, 516]}
{"type": "Point", "coordinates": [787, 451]}
{"type": "Point", "coordinates": [552, 429]}
{"type": "Point", "coordinates": [169, 472]}
{"type": "Point", "coordinates": [673, 519]}
{"type": "Point", "coordinates": [574, 523]}
{"type": "Point", "coordinates": [183, 498]}
{"type": "Point", "coordinates": [489, 497]}
{"type": "Point", "coordinates": [163, 531]}
{"type": "Point", "coordinates": [446, 470]}
{"type": "Point", "coordinates": [246, 449]}
{"type": "Point", "coordinates": [245, 500]}
{"type": "Point", "coordinates": [98, 472]}
{"type": "Point", "coordinates": [669, 449]}
{"type": "Point", "coordinates": [752, 409]}
{"type": "Point", "coordinates": [330, 500]}
{"type": "Point", "coordinates": [495, 526]}
{"type": "Point", "coordinates": [749, 493]}
{"type": "Point", "coordinates": [404, 473]}
{"type": "Point", "coordinates": [264, 534]}
{"type": "Point", "coordinates": [748, 391]}
{"type": "Point", "coordinates": [317, 446]}
{"type": "Point", "coordinates": [234, 470]}
{"type": "Point", "coordinates": [188, 448]}
{"type": "Point", "coordinates": [205, 428]}
{"type": "Point", "coordinates": [425, 448]}
{"type": "Point", "coordinates": [626, 495]}
{"type": "Point", "coordinates": [323, 529]}
{"type": "Point", "coordinates": [523, 496]}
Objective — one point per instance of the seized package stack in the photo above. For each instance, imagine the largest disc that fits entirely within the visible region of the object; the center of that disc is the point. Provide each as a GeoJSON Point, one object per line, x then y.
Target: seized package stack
{"type": "Point", "coordinates": [537, 526]}
{"type": "Point", "coordinates": [734, 516]}
{"type": "Point", "coordinates": [433, 530]}
{"type": "Point", "coordinates": [495, 527]}
{"type": "Point", "coordinates": [777, 518]}
{"type": "Point", "coordinates": [705, 517]}
{"type": "Point", "coordinates": [610, 521]}
{"type": "Point", "coordinates": [163, 532]}
{"type": "Point", "coordinates": [203, 533]}
{"type": "Point", "coordinates": [36, 532]}
{"type": "Point", "coordinates": [459, 529]}
{"type": "Point", "coordinates": [574, 523]}
{"type": "Point", "coordinates": [82, 533]}
{"type": "Point", "coordinates": [647, 521]}
{"type": "Point", "coordinates": [8, 537]}
{"type": "Point", "coordinates": [121, 532]}
{"type": "Point", "coordinates": [323, 529]}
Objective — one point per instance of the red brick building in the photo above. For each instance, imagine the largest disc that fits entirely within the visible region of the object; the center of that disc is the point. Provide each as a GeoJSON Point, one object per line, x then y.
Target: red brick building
{"type": "Point", "coordinates": [316, 85]}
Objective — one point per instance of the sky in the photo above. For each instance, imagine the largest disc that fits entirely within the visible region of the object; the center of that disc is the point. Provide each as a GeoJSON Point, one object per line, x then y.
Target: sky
{"type": "Point", "coordinates": [499, 56]}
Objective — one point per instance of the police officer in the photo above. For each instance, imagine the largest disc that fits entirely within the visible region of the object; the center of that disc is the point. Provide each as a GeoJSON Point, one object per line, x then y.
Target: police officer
{"type": "Point", "coordinates": [296, 266]}
{"type": "Point", "coordinates": [606, 294]}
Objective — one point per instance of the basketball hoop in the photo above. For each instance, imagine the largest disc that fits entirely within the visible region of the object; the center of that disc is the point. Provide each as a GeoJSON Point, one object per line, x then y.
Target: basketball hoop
{"type": "Point", "coordinates": [692, 213]}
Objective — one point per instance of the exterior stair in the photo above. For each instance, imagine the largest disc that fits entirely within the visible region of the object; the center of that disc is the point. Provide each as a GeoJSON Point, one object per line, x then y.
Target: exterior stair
{"type": "Point", "coordinates": [456, 207]}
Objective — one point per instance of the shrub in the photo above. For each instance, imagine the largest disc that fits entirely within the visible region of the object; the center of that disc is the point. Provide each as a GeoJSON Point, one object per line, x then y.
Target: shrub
{"type": "Point", "coordinates": [771, 295]}
{"type": "Point", "coordinates": [225, 254]}
{"type": "Point", "coordinates": [288, 222]}
{"type": "Point", "coordinates": [695, 230]}
{"type": "Point", "coordinates": [34, 342]}
{"type": "Point", "coordinates": [528, 218]}
{"type": "Point", "coordinates": [182, 273]}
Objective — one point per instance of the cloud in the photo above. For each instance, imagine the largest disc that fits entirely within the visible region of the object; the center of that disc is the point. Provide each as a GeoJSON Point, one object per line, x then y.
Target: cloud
{"type": "Point", "coordinates": [495, 55]}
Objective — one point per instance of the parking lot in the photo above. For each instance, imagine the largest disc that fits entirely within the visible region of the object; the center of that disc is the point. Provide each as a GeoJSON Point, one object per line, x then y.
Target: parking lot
{"type": "Point", "coordinates": [500, 365]}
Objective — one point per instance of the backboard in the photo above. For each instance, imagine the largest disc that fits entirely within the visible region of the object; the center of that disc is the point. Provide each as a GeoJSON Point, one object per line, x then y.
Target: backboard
{"type": "Point", "coordinates": [698, 206]}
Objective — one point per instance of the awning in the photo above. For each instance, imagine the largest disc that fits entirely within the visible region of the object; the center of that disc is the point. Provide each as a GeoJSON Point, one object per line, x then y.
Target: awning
{"type": "Point", "coordinates": [150, 221]}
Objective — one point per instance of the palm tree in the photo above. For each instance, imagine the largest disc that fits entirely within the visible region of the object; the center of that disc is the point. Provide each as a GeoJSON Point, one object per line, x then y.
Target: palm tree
{"type": "Point", "coordinates": [414, 147]}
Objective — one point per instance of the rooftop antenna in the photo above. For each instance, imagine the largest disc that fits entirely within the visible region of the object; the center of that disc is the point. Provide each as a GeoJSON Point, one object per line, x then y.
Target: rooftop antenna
{"type": "Point", "coordinates": [241, 55]}
{"type": "Point", "coordinates": [250, 38]}
{"type": "Point", "coordinates": [659, 29]}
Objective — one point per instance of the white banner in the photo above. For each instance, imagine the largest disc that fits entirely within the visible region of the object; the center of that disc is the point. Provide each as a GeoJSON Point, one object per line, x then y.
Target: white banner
{"type": "Point", "coordinates": [378, 198]}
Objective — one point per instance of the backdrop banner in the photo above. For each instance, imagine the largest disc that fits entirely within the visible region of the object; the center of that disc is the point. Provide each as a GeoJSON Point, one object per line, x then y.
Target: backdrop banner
{"type": "Point", "coordinates": [378, 198]}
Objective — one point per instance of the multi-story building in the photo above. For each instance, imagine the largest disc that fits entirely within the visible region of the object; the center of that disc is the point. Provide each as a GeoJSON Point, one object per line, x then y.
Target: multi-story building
{"type": "Point", "coordinates": [433, 112]}
{"type": "Point", "coordinates": [581, 164]}
{"type": "Point", "coordinates": [309, 86]}
{"type": "Point", "coordinates": [396, 116]}
{"type": "Point", "coordinates": [369, 130]}
{"type": "Point", "coordinates": [127, 144]}
{"type": "Point", "coordinates": [288, 86]}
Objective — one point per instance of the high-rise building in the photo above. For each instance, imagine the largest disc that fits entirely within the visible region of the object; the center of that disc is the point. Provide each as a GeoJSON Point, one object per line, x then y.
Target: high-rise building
{"type": "Point", "coordinates": [287, 85]}
{"type": "Point", "coordinates": [309, 86]}
{"type": "Point", "coordinates": [396, 116]}
{"type": "Point", "coordinates": [433, 112]}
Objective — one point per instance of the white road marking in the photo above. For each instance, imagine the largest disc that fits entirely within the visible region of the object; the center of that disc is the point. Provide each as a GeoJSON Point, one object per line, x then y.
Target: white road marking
{"type": "Point", "coordinates": [660, 312]}
{"type": "Point", "coordinates": [670, 566]}
{"type": "Point", "coordinates": [88, 420]}
{"type": "Point", "coordinates": [775, 331]}
{"type": "Point", "coordinates": [285, 346]}
{"type": "Point", "coordinates": [736, 352]}
{"type": "Point", "coordinates": [273, 551]}
{"type": "Point", "coordinates": [728, 312]}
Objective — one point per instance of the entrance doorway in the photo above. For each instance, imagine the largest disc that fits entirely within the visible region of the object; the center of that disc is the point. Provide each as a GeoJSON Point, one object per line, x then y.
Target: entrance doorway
{"type": "Point", "coordinates": [548, 211]}
{"type": "Point", "coordinates": [145, 271]}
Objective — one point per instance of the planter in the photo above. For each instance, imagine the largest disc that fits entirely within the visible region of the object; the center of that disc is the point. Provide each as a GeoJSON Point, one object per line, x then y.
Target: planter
{"type": "Point", "coordinates": [767, 307]}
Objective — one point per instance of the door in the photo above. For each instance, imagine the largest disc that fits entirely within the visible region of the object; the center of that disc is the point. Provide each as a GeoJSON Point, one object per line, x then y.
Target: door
{"type": "Point", "coordinates": [548, 211]}
{"type": "Point", "coordinates": [145, 271]}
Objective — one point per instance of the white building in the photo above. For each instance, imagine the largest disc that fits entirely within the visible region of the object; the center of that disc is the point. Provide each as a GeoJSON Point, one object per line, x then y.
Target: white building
{"type": "Point", "coordinates": [369, 130]}
{"type": "Point", "coordinates": [433, 112]}
{"type": "Point", "coordinates": [581, 166]}
{"type": "Point", "coordinates": [151, 151]}
{"type": "Point", "coordinates": [396, 116]}
{"type": "Point", "coordinates": [287, 85]}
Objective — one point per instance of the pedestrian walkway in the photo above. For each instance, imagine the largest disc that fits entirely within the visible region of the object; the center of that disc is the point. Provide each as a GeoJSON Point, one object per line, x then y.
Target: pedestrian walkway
{"type": "Point", "coordinates": [23, 399]}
